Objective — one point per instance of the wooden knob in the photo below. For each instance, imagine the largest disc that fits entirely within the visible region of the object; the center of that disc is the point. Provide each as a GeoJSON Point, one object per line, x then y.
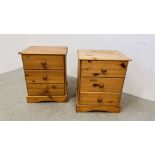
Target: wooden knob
{"type": "Point", "coordinates": [45, 90]}
{"type": "Point", "coordinates": [43, 63]}
{"type": "Point", "coordinates": [103, 70]}
{"type": "Point", "coordinates": [45, 77]}
{"type": "Point", "coordinates": [101, 85]}
{"type": "Point", "coordinates": [99, 99]}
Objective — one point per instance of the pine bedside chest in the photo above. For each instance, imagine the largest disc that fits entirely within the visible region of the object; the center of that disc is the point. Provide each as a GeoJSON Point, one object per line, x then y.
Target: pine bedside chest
{"type": "Point", "coordinates": [101, 75]}
{"type": "Point", "coordinates": [45, 73]}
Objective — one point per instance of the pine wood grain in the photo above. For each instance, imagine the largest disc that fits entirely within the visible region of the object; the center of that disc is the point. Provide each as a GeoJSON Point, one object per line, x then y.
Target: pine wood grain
{"type": "Point", "coordinates": [45, 89]}
{"type": "Point", "coordinates": [102, 55]}
{"type": "Point", "coordinates": [89, 84]}
{"type": "Point", "coordinates": [43, 62]}
{"type": "Point", "coordinates": [46, 50]}
{"type": "Point", "coordinates": [101, 75]}
{"type": "Point", "coordinates": [103, 68]}
{"type": "Point", "coordinates": [45, 73]}
{"type": "Point", "coordinates": [44, 76]}
{"type": "Point", "coordinates": [104, 108]}
{"type": "Point", "coordinates": [38, 99]}
{"type": "Point", "coordinates": [93, 98]}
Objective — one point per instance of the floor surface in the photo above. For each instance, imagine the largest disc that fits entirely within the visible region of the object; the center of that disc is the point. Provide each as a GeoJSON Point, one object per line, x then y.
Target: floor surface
{"type": "Point", "coordinates": [13, 105]}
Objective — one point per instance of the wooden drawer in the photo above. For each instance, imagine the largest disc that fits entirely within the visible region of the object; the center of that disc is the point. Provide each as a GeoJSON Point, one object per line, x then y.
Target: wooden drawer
{"type": "Point", "coordinates": [89, 84]}
{"type": "Point", "coordinates": [99, 99]}
{"type": "Point", "coordinates": [43, 61]}
{"type": "Point", "coordinates": [93, 68]}
{"type": "Point", "coordinates": [45, 89]}
{"type": "Point", "coordinates": [44, 76]}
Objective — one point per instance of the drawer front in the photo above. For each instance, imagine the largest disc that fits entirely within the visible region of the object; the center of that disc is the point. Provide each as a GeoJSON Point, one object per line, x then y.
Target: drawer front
{"type": "Point", "coordinates": [103, 68]}
{"type": "Point", "coordinates": [100, 98]}
{"type": "Point", "coordinates": [43, 62]}
{"type": "Point", "coordinates": [44, 76]}
{"type": "Point", "coordinates": [114, 85]}
{"type": "Point", "coordinates": [45, 89]}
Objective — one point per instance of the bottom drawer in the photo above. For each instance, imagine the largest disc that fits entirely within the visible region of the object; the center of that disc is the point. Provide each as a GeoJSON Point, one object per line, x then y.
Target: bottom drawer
{"type": "Point", "coordinates": [45, 89]}
{"type": "Point", "coordinates": [99, 98]}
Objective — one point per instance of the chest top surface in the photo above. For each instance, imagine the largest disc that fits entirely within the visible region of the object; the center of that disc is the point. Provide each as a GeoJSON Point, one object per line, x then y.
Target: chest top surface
{"type": "Point", "coordinates": [47, 50]}
{"type": "Point", "coordinates": [101, 55]}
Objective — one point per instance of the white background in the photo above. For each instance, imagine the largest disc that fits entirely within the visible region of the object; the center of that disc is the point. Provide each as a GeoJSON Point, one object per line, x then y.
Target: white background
{"type": "Point", "coordinates": [81, 16]}
{"type": "Point", "coordinates": [140, 79]}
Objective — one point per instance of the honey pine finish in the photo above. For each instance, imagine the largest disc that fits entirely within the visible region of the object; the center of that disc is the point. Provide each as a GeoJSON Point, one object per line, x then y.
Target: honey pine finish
{"type": "Point", "coordinates": [101, 75]}
{"type": "Point", "coordinates": [45, 73]}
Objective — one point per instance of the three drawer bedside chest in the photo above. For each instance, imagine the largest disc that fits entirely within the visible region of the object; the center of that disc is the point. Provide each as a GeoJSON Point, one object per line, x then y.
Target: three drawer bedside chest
{"type": "Point", "coordinates": [45, 73]}
{"type": "Point", "coordinates": [101, 75]}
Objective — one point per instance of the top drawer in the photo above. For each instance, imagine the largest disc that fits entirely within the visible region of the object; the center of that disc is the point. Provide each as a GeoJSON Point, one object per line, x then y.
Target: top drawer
{"type": "Point", "coordinates": [100, 68]}
{"type": "Point", "coordinates": [43, 62]}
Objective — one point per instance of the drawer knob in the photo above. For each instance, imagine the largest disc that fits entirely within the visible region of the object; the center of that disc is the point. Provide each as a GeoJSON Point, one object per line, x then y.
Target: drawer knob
{"type": "Point", "coordinates": [99, 99]}
{"type": "Point", "coordinates": [45, 77]}
{"type": "Point", "coordinates": [103, 70]}
{"type": "Point", "coordinates": [43, 63]}
{"type": "Point", "coordinates": [45, 90]}
{"type": "Point", "coordinates": [101, 85]}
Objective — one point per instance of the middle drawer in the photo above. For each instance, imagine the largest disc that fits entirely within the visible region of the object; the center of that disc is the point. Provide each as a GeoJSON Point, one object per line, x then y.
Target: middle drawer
{"type": "Point", "coordinates": [44, 76]}
{"type": "Point", "coordinates": [89, 84]}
